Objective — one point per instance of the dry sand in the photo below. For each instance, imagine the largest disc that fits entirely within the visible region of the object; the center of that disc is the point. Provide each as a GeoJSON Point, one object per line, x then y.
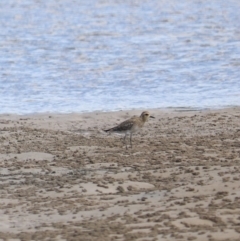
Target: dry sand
{"type": "Point", "coordinates": [63, 178]}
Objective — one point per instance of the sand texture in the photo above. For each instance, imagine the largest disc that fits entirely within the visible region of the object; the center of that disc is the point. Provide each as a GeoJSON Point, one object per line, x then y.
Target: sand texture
{"type": "Point", "coordinates": [63, 178]}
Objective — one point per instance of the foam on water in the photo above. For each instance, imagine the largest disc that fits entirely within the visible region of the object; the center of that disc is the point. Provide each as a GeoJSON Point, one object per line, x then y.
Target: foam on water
{"type": "Point", "coordinates": [75, 56]}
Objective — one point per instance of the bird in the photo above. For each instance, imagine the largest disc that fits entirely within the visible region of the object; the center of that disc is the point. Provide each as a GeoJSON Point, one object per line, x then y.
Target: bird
{"type": "Point", "coordinates": [130, 126]}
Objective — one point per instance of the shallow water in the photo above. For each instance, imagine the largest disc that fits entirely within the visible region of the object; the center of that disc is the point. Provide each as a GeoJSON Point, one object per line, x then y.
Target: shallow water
{"type": "Point", "coordinates": [74, 56]}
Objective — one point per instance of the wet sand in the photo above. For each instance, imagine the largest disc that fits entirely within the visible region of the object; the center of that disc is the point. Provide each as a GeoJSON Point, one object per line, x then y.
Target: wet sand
{"type": "Point", "coordinates": [63, 178]}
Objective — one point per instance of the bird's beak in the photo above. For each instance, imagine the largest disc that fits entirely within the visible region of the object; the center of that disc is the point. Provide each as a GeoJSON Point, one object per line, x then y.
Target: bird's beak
{"type": "Point", "coordinates": [151, 116]}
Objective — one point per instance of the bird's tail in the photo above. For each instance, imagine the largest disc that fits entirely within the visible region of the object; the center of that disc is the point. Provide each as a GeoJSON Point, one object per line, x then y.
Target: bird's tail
{"type": "Point", "coordinates": [107, 130]}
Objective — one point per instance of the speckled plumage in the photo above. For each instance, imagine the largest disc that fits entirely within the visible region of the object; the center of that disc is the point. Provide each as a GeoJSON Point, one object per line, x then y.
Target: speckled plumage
{"type": "Point", "coordinates": [131, 125]}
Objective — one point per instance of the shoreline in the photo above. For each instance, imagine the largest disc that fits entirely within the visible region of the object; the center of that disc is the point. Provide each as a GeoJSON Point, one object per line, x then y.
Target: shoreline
{"type": "Point", "coordinates": [101, 120]}
{"type": "Point", "coordinates": [180, 108]}
{"type": "Point", "coordinates": [63, 177]}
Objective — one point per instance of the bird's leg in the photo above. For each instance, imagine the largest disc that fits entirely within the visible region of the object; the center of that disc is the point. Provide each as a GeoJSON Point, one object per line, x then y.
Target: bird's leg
{"type": "Point", "coordinates": [131, 140]}
{"type": "Point", "coordinates": [124, 140]}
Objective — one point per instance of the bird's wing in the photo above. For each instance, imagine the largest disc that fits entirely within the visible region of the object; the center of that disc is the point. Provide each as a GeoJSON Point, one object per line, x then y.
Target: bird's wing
{"type": "Point", "coordinates": [124, 126]}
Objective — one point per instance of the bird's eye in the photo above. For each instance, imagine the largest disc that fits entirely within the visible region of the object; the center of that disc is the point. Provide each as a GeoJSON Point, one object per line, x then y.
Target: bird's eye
{"type": "Point", "coordinates": [146, 114]}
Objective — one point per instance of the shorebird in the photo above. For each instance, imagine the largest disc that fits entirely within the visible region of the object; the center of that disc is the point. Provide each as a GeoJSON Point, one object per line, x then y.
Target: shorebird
{"type": "Point", "coordinates": [130, 126]}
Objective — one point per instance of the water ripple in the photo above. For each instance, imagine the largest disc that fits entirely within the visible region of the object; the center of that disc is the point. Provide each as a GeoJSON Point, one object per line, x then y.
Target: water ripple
{"type": "Point", "coordinates": [73, 56]}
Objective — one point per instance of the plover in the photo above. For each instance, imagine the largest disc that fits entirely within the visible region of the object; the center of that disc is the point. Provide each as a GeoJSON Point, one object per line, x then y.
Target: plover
{"type": "Point", "coordinates": [131, 125]}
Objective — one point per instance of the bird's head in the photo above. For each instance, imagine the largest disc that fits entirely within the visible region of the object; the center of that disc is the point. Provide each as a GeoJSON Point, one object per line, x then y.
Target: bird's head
{"type": "Point", "coordinates": [145, 116]}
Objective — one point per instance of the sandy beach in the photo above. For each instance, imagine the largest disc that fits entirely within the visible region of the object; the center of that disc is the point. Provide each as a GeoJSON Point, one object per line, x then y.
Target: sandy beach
{"type": "Point", "coordinates": [63, 178]}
